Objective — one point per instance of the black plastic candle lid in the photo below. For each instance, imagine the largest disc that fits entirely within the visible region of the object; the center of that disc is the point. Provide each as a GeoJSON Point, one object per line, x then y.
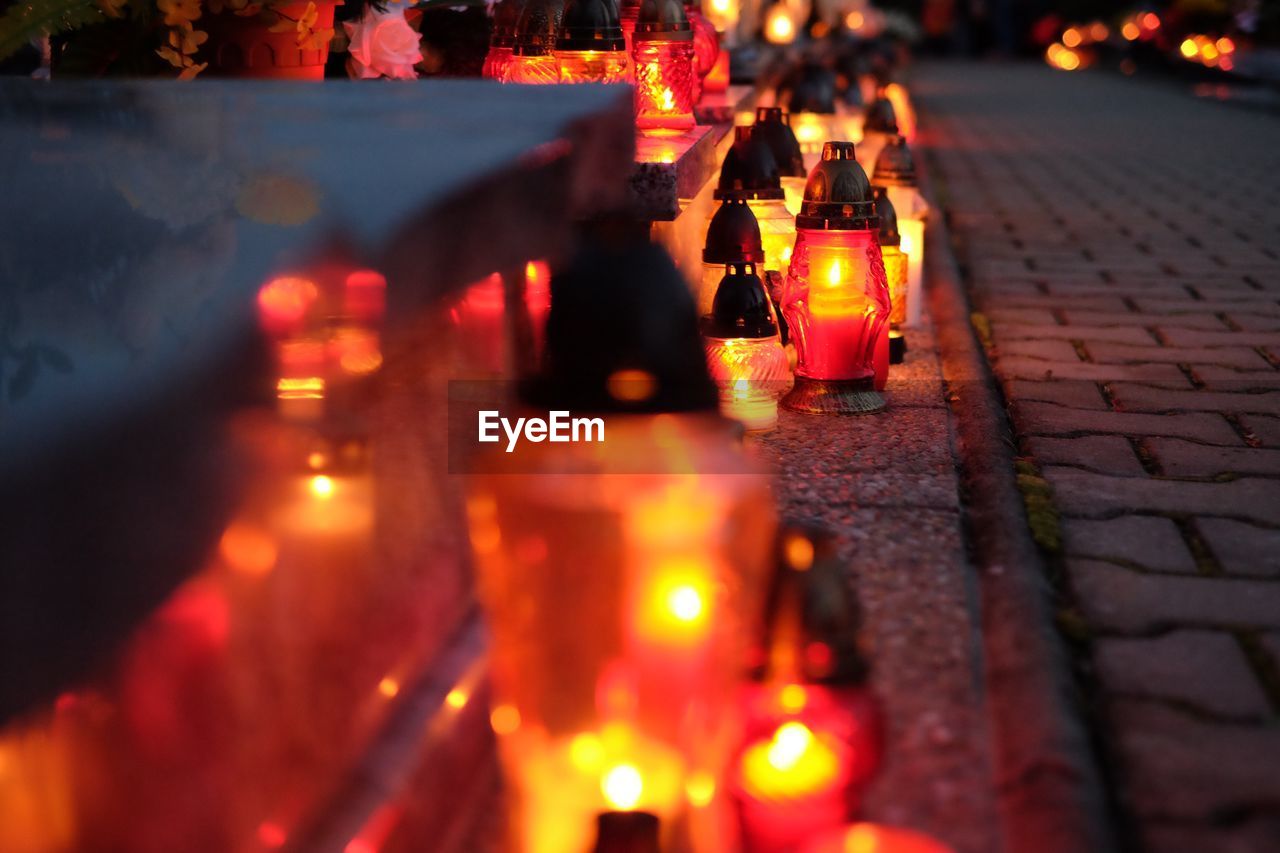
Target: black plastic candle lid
{"type": "Point", "coordinates": [889, 235]}
{"type": "Point", "coordinates": [741, 306]}
{"type": "Point", "coordinates": [838, 194]}
{"type": "Point", "coordinates": [590, 25]}
{"type": "Point", "coordinates": [733, 235]}
{"type": "Point", "coordinates": [895, 167]}
{"type": "Point", "coordinates": [772, 127]}
{"type": "Point", "coordinates": [749, 169]}
{"type": "Point", "coordinates": [662, 20]}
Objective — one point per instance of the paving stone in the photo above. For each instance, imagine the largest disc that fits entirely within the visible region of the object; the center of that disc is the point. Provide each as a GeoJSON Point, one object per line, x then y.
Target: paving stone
{"type": "Point", "coordinates": [1109, 454]}
{"type": "Point", "coordinates": [1005, 331]}
{"type": "Point", "coordinates": [1047, 419]}
{"type": "Point", "coordinates": [1048, 350]}
{"type": "Point", "coordinates": [1179, 458]}
{"type": "Point", "coordinates": [1238, 381]}
{"type": "Point", "coordinates": [1040, 370]}
{"type": "Point", "coordinates": [1242, 549]}
{"type": "Point", "coordinates": [1091, 495]}
{"type": "Point", "coordinates": [1148, 541]}
{"type": "Point", "coordinates": [1134, 319]}
{"type": "Point", "coordinates": [1190, 768]}
{"type": "Point", "coordinates": [1197, 338]}
{"type": "Point", "coordinates": [999, 316]}
{"type": "Point", "coordinates": [1266, 429]}
{"type": "Point", "coordinates": [1144, 398]}
{"type": "Point", "coordinates": [1076, 393]}
{"type": "Point", "coordinates": [1121, 600]}
{"type": "Point", "coordinates": [1203, 669]}
{"type": "Point", "coordinates": [1243, 357]}
{"type": "Point", "coordinates": [1248, 304]}
{"type": "Point", "coordinates": [1254, 322]}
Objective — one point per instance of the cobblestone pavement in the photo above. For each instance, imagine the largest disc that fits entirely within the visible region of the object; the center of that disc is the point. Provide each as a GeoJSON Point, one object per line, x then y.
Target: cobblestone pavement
{"type": "Point", "coordinates": [1122, 245]}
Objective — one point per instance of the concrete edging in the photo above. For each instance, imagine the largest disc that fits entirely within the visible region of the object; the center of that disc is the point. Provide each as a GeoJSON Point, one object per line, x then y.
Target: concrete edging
{"type": "Point", "coordinates": [1048, 787]}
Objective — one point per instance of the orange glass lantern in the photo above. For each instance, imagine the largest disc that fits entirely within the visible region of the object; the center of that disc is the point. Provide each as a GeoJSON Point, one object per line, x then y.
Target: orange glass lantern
{"type": "Point", "coordinates": [618, 576]}
{"type": "Point", "coordinates": [662, 52]}
{"type": "Point", "coordinates": [836, 297]}
{"type": "Point", "coordinates": [814, 733]}
{"type": "Point", "coordinates": [773, 127]}
{"type": "Point", "coordinates": [895, 270]}
{"type": "Point", "coordinates": [744, 350]}
{"type": "Point", "coordinates": [533, 58]}
{"type": "Point", "coordinates": [733, 237]}
{"type": "Point", "coordinates": [879, 122]}
{"type": "Point", "coordinates": [590, 48]}
{"type": "Point", "coordinates": [896, 171]}
{"type": "Point", "coordinates": [502, 39]}
{"type": "Point", "coordinates": [749, 171]}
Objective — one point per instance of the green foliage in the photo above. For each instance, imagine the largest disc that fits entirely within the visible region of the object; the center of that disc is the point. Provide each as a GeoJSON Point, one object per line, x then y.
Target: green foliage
{"type": "Point", "coordinates": [31, 19]}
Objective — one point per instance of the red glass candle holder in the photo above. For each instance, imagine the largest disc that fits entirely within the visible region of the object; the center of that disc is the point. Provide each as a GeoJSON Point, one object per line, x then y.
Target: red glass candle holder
{"type": "Point", "coordinates": [706, 44]}
{"type": "Point", "coordinates": [662, 52]}
{"type": "Point", "coordinates": [533, 59]}
{"type": "Point", "coordinates": [502, 39]}
{"type": "Point", "coordinates": [591, 48]}
{"type": "Point", "coordinates": [836, 296]}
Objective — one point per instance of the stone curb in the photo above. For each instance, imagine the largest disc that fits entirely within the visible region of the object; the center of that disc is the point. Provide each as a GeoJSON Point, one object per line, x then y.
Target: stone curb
{"type": "Point", "coordinates": [1049, 789]}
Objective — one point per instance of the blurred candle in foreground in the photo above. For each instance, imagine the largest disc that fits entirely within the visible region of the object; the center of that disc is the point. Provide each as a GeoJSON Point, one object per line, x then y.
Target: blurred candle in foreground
{"type": "Point", "coordinates": [836, 298]}
{"type": "Point", "coordinates": [662, 50]}
{"type": "Point", "coordinates": [879, 122]}
{"type": "Point", "coordinates": [875, 838]}
{"type": "Point", "coordinates": [896, 171]}
{"type": "Point", "coordinates": [502, 39]}
{"type": "Point", "coordinates": [616, 575]}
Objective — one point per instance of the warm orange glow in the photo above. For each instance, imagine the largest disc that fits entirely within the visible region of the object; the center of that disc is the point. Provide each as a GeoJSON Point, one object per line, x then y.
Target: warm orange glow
{"type": "Point", "coordinates": [1151, 21]}
{"type": "Point", "coordinates": [284, 301]}
{"type": "Point", "coordinates": [1225, 63]}
{"type": "Point", "coordinates": [854, 20]}
{"type": "Point", "coordinates": [504, 719]}
{"type": "Point", "coordinates": [248, 549]}
{"type": "Point", "coordinates": [667, 99]}
{"type": "Point", "coordinates": [300, 388]}
{"type": "Point", "coordinates": [322, 486]}
{"type": "Point", "coordinates": [794, 763]}
{"type": "Point", "coordinates": [457, 698]}
{"type": "Point", "coordinates": [875, 838]}
{"type": "Point", "coordinates": [1130, 31]}
{"type": "Point", "coordinates": [778, 27]}
{"type": "Point", "coordinates": [792, 698]}
{"type": "Point", "coordinates": [833, 274]}
{"type": "Point", "coordinates": [685, 603]}
{"type": "Point", "coordinates": [700, 788]}
{"type": "Point", "coordinates": [271, 835]}
{"type": "Point", "coordinates": [1098, 31]}
{"type": "Point", "coordinates": [1188, 48]}
{"type": "Point", "coordinates": [622, 787]}
{"type": "Point", "coordinates": [1071, 38]}
{"type": "Point", "coordinates": [1209, 53]}
{"type": "Point", "coordinates": [906, 114]}
{"type": "Point", "coordinates": [632, 386]}
{"type": "Point", "coordinates": [799, 552]}
{"type": "Point", "coordinates": [1225, 45]}
{"type": "Point", "coordinates": [388, 687]}
{"type": "Point", "coordinates": [586, 752]}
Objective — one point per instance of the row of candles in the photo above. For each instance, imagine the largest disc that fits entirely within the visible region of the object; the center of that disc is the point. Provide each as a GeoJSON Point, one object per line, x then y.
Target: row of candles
{"type": "Point", "coordinates": [668, 50]}
{"type": "Point", "coordinates": [843, 260]}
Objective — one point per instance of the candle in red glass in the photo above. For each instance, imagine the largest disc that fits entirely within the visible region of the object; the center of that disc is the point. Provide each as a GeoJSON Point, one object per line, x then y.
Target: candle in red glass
{"type": "Point", "coordinates": [662, 51]}
{"type": "Point", "coordinates": [814, 733]}
{"type": "Point", "coordinates": [591, 48]}
{"type": "Point", "coordinates": [706, 43]}
{"type": "Point", "coordinates": [502, 39]}
{"type": "Point", "coordinates": [533, 58]}
{"type": "Point", "coordinates": [835, 298]}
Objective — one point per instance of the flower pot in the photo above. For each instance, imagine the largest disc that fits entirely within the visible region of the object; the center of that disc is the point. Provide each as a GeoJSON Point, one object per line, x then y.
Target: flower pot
{"type": "Point", "coordinates": [246, 47]}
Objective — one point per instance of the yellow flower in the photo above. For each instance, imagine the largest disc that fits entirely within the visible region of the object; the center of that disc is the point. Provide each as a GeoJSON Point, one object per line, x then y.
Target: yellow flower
{"type": "Point", "coordinates": [190, 72]}
{"type": "Point", "coordinates": [186, 40]}
{"type": "Point", "coordinates": [308, 19]}
{"type": "Point", "coordinates": [177, 12]}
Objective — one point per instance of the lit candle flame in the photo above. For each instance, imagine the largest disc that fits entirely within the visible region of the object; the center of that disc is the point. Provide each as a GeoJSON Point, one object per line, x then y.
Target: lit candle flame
{"type": "Point", "coordinates": [833, 274]}
{"type": "Point", "coordinates": [668, 100]}
{"type": "Point", "coordinates": [622, 787]}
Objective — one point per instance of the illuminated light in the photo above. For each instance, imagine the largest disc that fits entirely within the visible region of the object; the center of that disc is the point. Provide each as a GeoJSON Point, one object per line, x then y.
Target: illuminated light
{"type": "Point", "coordinates": [720, 7]}
{"type": "Point", "coordinates": [457, 698]}
{"type": "Point", "coordinates": [799, 552]}
{"type": "Point", "coordinates": [667, 99]}
{"type": "Point", "coordinates": [632, 386]}
{"type": "Point", "coordinates": [786, 254]}
{"type": "Point", "coordinates": [485, 537]}
{"type": "Point", "coordinates": [902, 109]}
{"type": "Point", "coordinates": [1188, 48]}
{"type": "Point", "coordinates": [1226, 64]}
{"type": "Point", "coordinates": [1069, 61]}
{"type": "Point", "coordinates": [248, 549]}
{"type": "Point", "coordinates": [685, 603]}
{"type": "Point", "coordinates": [622, 787]}
{"type": "Point", "coordinates": [833, 274]}
{"type": "Point", "coordinates": [1098, 31]}
{"type": "Point", "coordinates": [700, 789]}
{"type": "Point", "coordinates": [1072, 37]}
{"type": "Point", "coordinates": [322, 486]}
{"type": "Point", "coordinates": [876, 838]}
{"type": "Point", "coordinates": [666, 72]}
{"type": "Point", "coordinates": [316, 460]}
{"type": "Point", "coordinates": [1208, 53]}
{"type": "Point", "coordinates": [388, 687]}
{"type": "Point", "coordinates": [1151, 21]}
{"type": "Point", "coordinates": [531, 549]}
{"type": "Point", "coordinates": [365, 295]}
{"type": "Point", "coordinates": [359, 845]}
{"type": "Point", "coordinates": [504, 719]}
{"type": "Point", "coordinates": [271, 835]}
{"type": "Point", "coordinates": [790, 742]}
{"type": "Point", "coordinates": [481, 507]}
{"type": "Point", "coordinates": [792, 698]}
{"type": "Point", "coordinates": [1130, 31]}
{"type": "Point", "coordinates": [283, 302]}
{"type": "Point", "coordinates": [1225, 45]}
{"type": "Point", "coordinates": [854, 20]}
{"type": "Point", "coordinates": [778, 27]}
{"type": "Point", "coordinates": [300, 388]}
{"type": "Point", "coordinates": [586, 752]}
{"type": "Point", "coordinates": [66, 702]}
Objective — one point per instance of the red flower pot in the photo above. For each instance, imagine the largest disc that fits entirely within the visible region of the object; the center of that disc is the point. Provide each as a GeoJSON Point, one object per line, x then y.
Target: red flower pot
{"type": "Point", "coordinates": [246, 47]}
